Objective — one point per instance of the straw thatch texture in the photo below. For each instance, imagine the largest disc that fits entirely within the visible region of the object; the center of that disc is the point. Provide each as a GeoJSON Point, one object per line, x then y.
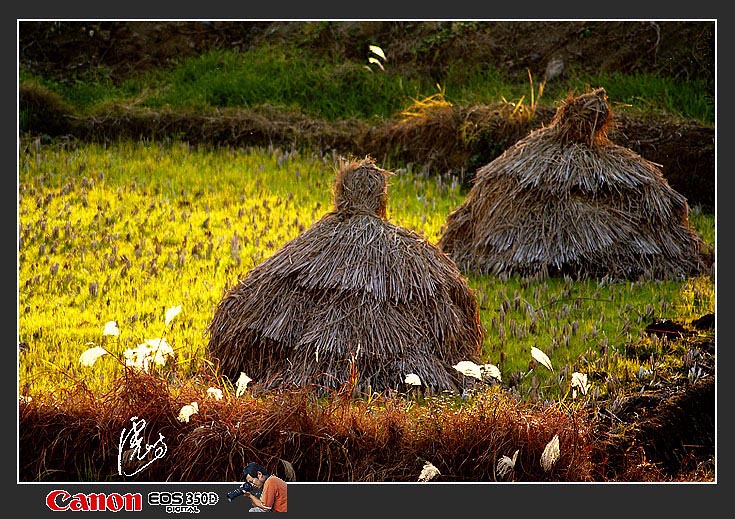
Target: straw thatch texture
{"type": "Point", "coordinates": [566, 200]}
{"type": "Point", "coordinates": [351, 295]}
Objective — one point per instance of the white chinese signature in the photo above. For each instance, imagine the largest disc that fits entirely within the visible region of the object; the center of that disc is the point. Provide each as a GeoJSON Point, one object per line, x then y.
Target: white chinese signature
{"type": "Point", "coordinates": [131, 451]}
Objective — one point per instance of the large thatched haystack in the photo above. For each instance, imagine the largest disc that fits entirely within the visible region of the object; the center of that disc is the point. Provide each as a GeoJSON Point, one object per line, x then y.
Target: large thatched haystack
{"type": "Point", "coordinates": [567, 200]}
{"type": "Point", "coordinates": [353, 294]}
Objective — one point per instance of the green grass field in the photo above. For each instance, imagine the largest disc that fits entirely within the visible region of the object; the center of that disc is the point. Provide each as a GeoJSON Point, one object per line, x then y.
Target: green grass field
{"type": "Point", "coordinates": [126, 231]}
{"type": "Point", "coordinates": [324, 88]}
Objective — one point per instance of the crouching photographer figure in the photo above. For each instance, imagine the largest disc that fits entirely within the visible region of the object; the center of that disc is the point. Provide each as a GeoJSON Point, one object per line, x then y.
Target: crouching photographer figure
{"type": "Point", "coordinates": [267, 492]}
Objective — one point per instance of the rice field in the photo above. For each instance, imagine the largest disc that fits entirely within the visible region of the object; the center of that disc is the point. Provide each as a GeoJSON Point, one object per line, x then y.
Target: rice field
{"type": "Point", "coordinates": [126, 232]}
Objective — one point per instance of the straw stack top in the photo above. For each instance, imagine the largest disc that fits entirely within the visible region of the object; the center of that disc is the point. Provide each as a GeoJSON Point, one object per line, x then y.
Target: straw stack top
{"type": "Point", "coordinates": [585, 118]}
{"type": "Point", "coordinates": [361, 187]}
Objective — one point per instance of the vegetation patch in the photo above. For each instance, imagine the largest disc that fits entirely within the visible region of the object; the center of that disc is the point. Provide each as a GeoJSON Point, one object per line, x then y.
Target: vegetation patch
{"type": "Point", "coordinates": [121, 233]}
{"type": "Point", "coordinates": [162, 162]}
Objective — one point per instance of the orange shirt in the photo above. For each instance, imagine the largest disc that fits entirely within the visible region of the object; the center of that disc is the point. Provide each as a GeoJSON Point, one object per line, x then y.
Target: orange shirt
{"type": "Point", "coordinates": [274, 494]}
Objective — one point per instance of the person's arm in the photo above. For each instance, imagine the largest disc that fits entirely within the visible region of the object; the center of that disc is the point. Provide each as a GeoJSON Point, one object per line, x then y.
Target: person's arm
{"type": "Point", "coordinates": [257, 502]}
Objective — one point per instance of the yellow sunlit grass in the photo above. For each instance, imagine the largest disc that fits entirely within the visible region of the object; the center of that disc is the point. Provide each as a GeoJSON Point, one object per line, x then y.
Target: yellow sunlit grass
{"type": "Point", "coordinates": [125, 243]}
{"type": "Point", "coordinates": [425, 105]}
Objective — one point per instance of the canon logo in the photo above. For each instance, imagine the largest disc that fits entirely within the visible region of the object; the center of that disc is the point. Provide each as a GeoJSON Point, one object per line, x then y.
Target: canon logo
{"type": "Point", "coordinates": [63, 501]}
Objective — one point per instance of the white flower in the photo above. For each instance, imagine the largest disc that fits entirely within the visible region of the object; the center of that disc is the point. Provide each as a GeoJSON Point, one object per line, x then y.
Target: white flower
{"type": "Point", "coordinates": [480, 372]}
{"type": "Point", "coordinates": [429, 472]}
{"type": "Point", "coordinates": [469, 369]}
{"type": "Point", "coordinates": [152, 350]}
{"type": "Point", "coordinates": [89, 357]}
{"type": "Point", "coordinates": [242, 384]}
{"type": "Point", "coordinates": [111, 328]}
{"type": "Point", "coordinates": [377, 51]}
{"type": "Point", "coordinates": [506, 464]}
{"type": "Point", "coordinates": [541, 357]}
{"type": "Point", "coordinates": [171, 313]}
{"type": "Point", "coordinates": [490, 371]}
{"type": "Point", "coordinates": [160, 349]}
{"type": "Point", "coordinates": [579, 381]}
{"type": "Point", "coordinates": [413, 379]}
{"type": "Point", "coordinates": [187, 411]}
{"type": "Point", "coordinates": [214, 393]}
{"type": "Point", "coordinates": [551, 453]}
{"type": "Point", "coordinates": [138, 357]}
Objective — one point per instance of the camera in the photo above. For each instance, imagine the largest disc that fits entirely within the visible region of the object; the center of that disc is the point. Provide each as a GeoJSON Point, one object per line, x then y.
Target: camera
{"type": "Point", "coordinates": [245, 487]}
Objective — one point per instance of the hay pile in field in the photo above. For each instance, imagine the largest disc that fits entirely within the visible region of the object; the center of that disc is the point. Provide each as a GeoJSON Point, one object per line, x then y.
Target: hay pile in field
{"type": "Point", "coordinates": [353, 299]}
{"type": "Point", "coordinates": [567, 200]}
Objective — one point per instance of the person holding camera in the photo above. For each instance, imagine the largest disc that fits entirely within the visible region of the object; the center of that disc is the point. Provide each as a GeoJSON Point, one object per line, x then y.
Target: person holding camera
{"type": "Point", "coordinates": [272, 497]}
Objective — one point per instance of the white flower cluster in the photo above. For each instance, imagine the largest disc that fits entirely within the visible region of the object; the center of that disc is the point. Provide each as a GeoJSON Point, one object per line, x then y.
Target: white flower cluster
{"type": "Point", "coordinates": [153, 351]}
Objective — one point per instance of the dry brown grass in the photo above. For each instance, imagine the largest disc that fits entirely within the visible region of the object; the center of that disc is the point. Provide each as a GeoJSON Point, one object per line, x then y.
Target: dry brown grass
{"type": "Point", "coordinates": [44, 109]}
{"type": "Point", "coordinates": [338, 438]}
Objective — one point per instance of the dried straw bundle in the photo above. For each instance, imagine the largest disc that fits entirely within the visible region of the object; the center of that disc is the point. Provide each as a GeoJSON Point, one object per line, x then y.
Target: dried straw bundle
{"type": "Point", "coordinates": [351, 295]}
{"type": "Point", "coordinates": [566, 200]}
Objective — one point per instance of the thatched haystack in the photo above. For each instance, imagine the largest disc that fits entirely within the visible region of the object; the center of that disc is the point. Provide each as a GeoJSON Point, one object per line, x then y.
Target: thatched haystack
{"type": "Point", "coordinates": [567, 200]}
{"type": "Point", "coordinates": [353, 299]}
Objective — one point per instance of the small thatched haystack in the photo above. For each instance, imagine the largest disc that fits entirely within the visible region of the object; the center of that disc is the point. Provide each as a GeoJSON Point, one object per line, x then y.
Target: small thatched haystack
{"type": "Point", "coordinates": [353, 294]}
{"type": "Point", "coordinates": [567, 200]}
